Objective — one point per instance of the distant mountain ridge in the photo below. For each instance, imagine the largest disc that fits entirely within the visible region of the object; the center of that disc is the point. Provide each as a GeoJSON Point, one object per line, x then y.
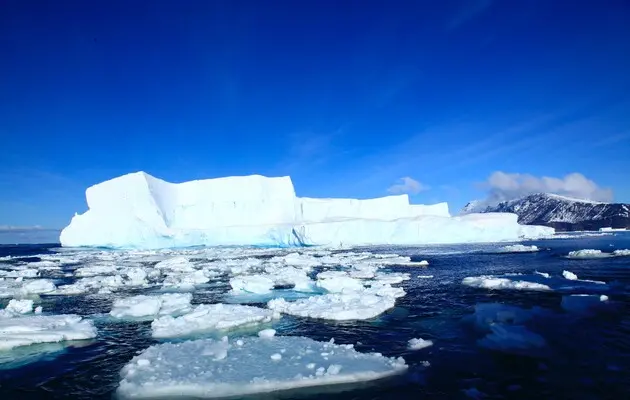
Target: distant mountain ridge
{"type": "Point", "coordinates": [560, 212]}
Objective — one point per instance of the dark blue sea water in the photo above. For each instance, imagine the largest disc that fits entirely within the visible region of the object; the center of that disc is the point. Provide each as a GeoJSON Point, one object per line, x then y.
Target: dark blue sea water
{"type": "Point", "coordinates": [587, 355]}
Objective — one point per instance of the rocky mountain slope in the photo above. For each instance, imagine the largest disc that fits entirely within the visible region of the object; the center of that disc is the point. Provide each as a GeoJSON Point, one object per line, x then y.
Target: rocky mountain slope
{"type": "Point", "coordinates": [559, 212]}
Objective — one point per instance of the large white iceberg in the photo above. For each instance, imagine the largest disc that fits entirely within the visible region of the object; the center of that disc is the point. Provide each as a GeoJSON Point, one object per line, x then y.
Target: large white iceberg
{"type": "Point", "coordinates": [210, 368]}
{"type": "Point", "coordinates": [138, 210]}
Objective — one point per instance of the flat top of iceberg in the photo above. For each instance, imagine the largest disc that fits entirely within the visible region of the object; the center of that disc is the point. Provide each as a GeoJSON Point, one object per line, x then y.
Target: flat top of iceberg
{"type": "Point", "coordinates": [210, 368]}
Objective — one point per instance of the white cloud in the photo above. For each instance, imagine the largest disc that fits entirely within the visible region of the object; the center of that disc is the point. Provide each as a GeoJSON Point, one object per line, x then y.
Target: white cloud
{"type": "Point", "coordinates": [407, 185]}
{"type": "Point", "coordinates": [506, 186]}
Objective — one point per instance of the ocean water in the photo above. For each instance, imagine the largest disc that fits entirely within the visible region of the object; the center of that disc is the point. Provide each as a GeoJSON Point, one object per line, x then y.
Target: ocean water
{"type": "Point", "coordinates": [586, 355]}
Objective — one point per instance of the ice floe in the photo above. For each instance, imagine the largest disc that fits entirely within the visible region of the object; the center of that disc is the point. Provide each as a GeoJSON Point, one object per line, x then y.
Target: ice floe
{"type": "Point", "coordinates": [537, 281]}
{"type": "Point", "coordinates": [151, 306]}
{"type": "Point", "coordinates": [418, 344]}
{"type": "Point", "coordinates": [588, 254]}
{"type": "Point", "coordinates": [210, 368]}
{"type": "Point", "coordinates": [518, 248]}
{"type": "Point", "coordinates": [17, 307]}
{"type": "Point", "coordinates": [252, 284]}
{"type": "Point", "coordinates": [350, 305]}
{"type": "Point", "coordinates": [211, 317]}
{"type": "Point", "coordinates": [339, 284]}
{"type": "Point", "coordinates": [20, 287]}
{"type": "Point", "coordinates": [32, 329]}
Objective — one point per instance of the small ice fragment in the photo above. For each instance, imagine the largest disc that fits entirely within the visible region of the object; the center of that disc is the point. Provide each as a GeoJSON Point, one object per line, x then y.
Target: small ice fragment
{"type": "Point", "coordinates": [333, 369]}
{"type": "Point", "coordinates": [418, 344]}
{"type": "Point", "coordinates": [276, 357]}
{"type": "Point", "coordinates": [569, 275]}
{"type": "Point", "coordinates": [267, 333]}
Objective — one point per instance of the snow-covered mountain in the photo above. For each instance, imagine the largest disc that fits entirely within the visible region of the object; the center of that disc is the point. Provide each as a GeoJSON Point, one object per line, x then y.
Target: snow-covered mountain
{"type": "Point", "coordinates": [560, 212]}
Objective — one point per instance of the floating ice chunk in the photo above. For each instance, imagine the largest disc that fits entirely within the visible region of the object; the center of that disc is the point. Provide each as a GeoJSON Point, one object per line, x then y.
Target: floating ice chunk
{"type": "Point", "coordinates": [385, 290]}
{"type": "Point", "coordinates": [392, 277]}
{"type": "Point", "coordinates": [186, 280]}
{"type": "Point", "coordinates": [152, 306]}
{"type": "Point", "coordinates": [518, 248]}
{"type": "Point", "coordinates": [587, 254]}
{"type": "Point", "coordinates": [259, 284]}
{"type": "Point", "coordinates": [290, 276]}
{"type": "Point", "coordinates": [363, 271]}
{"type": "Point", "coordinates": [17, 307]}
{"type": "Point", "coordinates": [534, 282]}
{"type": "Point", "coordinates": [20, 273]}
{"type": "Point", "coordinates": [621, 253]}
{"type": "Point", "coordinates": [95, 270]}
{"type": "Point", "coordinates": [180, 264]}
{"type": "Point", "coordinates": [425, 276]}
{"type": "Point", "coordinates": [208, 368]}
{"type": "Point", "coordinates": [572, 277]}
{"type": "Point", "coordinates": [300, 260]}
{"type": "Point", "coordinates": [583, 303]}
{"type": "Point", "coordinates": [418, 344]}
{"type": "Point", "coordinates": [38, 286]}
{"type": "Point", "coordinates": [211, 317]}
{"type": "Point", "coordinates": [423, 263]}
{"type": "Point", "coordinates": [340, 284]}
{"type": "Point", "coordinates": [340, 307]}
{"type": "Point", "coordinates": [569, 275]}
{"type": "Point", "coordinates": [493, 282]}
{"type": "Point", "coordinates": [44, 265]}
{"type": "Point", "coordinates": [543, 274]}
{"type": "Point", "coordinates": [27, 330]}
{"type": "Point", "coordinates": [135, 276]}
{"type": "Point", "coordinates": [267, 333]}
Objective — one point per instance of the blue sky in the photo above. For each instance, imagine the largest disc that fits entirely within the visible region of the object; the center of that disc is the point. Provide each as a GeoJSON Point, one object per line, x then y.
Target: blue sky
{"type": "Point", "coordinates": [347, 97]}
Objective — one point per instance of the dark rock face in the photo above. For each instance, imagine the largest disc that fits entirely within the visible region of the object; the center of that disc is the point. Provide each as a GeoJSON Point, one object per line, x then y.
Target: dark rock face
{"type": "Point", "coordinates": [561, 213]}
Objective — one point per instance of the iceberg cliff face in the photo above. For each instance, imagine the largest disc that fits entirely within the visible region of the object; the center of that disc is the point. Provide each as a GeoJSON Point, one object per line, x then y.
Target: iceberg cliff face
{"type": "Point", "coordinates": [139, 211]}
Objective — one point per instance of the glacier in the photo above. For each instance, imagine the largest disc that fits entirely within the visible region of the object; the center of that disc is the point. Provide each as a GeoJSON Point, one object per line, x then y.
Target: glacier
{"type": "Point", "coordinates": [140, 211]}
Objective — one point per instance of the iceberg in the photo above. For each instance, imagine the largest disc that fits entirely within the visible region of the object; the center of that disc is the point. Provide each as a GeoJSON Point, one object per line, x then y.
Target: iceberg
{"type": "Point", "coordinates": [139, 211]}
{"type": "Point", "coordinates": [209, 368]}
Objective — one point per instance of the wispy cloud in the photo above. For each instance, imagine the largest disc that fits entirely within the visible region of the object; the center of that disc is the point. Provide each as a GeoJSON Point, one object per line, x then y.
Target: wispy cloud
{"type": "Point", "coordinates": [613, 139]}
{"type": "Point", "coordinates": [506, 186]}
{"type": "Point", "coordinates": [407, 185]}
{"type": "Point", "coordinates": [21, 228]}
